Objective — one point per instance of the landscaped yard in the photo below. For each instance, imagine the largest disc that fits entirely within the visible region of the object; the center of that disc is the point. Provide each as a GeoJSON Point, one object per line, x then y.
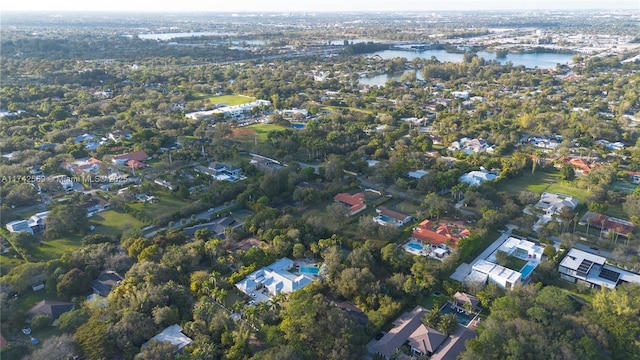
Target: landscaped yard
{"type": "Point", "coordinates": [409, 207]}
{"type": "Point", "coordinates": [112, 222]}
{"type": "Point", "coordinates": [515, 263]}
{"type": "Point", "coordinates": [54, 248]}
{"type": "Point", "coordinates": [540, 182]}
{"type": "Point", "coordinates": [165, 203]}
{"type": "Point", "coordinates": [230, 100]}
{"type": "Point", "coordinates": [263, 130]}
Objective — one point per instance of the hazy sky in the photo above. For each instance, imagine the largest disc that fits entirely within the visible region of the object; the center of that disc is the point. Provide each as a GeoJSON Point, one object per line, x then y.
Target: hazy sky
{"type": "Point", "coordinates": [308, 5]}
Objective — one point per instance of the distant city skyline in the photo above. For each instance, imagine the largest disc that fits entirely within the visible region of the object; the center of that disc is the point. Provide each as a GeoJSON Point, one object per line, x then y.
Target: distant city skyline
{"type": "Point", "coordinates": [319, 6]}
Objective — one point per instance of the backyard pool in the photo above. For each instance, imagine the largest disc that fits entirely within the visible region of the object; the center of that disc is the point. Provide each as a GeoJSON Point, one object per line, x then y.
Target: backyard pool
{"type": "Point", "coordinates": [415, 246]}
{"type": "Point", "coordinates": [309, 270]}
{"type": "Point", "coordinates": [463, 318]}
{"type": "Point", "coordinates": [527, 270]}
{"type": "Point", "coordinates": [298, 126]}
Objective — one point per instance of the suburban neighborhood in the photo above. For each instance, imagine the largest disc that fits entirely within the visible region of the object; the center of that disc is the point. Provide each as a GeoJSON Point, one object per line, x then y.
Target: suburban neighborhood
{"type": "Point", "coordinates": [320, 186]}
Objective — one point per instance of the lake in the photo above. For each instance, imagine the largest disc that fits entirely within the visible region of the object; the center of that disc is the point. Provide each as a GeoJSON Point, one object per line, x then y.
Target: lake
{"type": "Point", "coordinates": [529, 60]}
{"type": "Point", "coordinates": [169, 36]}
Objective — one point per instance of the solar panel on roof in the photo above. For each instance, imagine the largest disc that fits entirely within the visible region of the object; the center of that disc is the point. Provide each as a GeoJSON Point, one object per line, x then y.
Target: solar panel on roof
{"type": "Point", "coordinates": [609, 275]}
{"type": "Point", "coordinates": [584, 267]}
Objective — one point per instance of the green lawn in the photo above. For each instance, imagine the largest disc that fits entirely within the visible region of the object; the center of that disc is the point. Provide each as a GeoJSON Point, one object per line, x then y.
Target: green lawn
{"type": "Point", "coordinates": [540, 182]}
{"type": "Point", "coordinates": [514, 263]}
{"type": "Point", "coordinates": [111, 222]}
{"type": "Point", "coordinates": [8, 261]}
{"type": "Point", "coordinates": [230, 100]}
{"type": "Point", "coordinates": [166, 203]}
{"type": "Point", "coordinates": [263, 130]}
{"type": "Point", "coordinates": [54, 248]}
{"type": "Point", "coordinates": [409, 207]}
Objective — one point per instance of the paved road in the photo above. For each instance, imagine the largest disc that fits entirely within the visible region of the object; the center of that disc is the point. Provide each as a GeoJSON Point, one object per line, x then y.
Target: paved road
{"type": "Point", "coordinates": [202, 216]}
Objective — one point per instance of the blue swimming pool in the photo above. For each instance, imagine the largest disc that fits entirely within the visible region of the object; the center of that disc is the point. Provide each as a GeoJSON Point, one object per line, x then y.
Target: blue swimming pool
{"type": "Point", "coordinates": [415, 246]}
{"type": "Point", "coordinates": [527, 270]}
{"type": "Point", "coordinates": [298, 126]}
{"type": "Point", "coordinates": [309, 270]}
{"type": "Point", "coordinates": [463, 318]}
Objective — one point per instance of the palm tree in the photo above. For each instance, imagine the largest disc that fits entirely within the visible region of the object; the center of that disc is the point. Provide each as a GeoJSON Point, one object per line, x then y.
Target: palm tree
{"type": "Point", "coordinates": [588, 224]}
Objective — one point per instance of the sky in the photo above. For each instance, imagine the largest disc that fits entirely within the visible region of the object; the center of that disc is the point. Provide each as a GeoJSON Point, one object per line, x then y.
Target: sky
{"type": "Point", "coordinates": [307, 5]}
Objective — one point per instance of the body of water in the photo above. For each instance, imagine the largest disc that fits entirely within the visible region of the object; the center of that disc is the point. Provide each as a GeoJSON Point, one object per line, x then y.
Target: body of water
{"type": "Point", "coordinates": [529, 60]}
{"type": "Point", "coordinates": [169, 36]}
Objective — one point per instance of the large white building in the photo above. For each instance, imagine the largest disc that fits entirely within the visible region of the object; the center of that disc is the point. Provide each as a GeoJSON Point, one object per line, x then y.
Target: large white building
{"type": "Point", "coordinates": [276, 278]}
{"type": "Point", "coordinates": [475, 178]}
{"type": "Point", "coordinates": [484, 270]}
{"type": "Point", "coordinates": [33, 225]}
{"type": "Point", "coordinates": [233, 112]}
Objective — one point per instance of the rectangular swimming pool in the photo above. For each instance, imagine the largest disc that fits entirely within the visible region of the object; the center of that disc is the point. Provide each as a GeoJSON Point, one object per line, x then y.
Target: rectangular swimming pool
{"type": "Point", "coordinates": [463, 318]}
{"type": "Point", "coordinates": [309, 270]}
{"type": "Point", "coordinates": [415, 246]}
{"type": "Point", "coordinates": [527, 270]}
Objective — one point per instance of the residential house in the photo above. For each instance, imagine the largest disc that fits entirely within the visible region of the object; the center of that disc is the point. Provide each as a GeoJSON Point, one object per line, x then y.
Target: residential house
{"type": "Point", "coordinates": [552, 204]}
{"type": "Point", "coordinates": [265, 164]}
{"type": "Point", "coordinates": [136, 157]}
{"type": "Point", "coordinates": [464, 300]}
{"type": "Point", "coordinates": [475, 178]}
{"type": "Point", "coordinates": [483, 271]}
{"type": "Point", "coordinates": [471, 146]}
{"type": "Point", "coordinates": [444, 234]}
{"type": "Point", "coordinates": [222, 172]}
{"type": "Point", "coordinates": [634, 176]}
{"type": "Point", "coordinates": [354, 202]}
{"type": "Point", "coordinates": [409, 329]}
{"type": "Point", "coordinates": [82, 166]}
{"type": "Point", "coordinates": [165, 183]}
{"type": "Point", "coordinates": [611, 145]}
{"type": "Point", "coordinates": [275, 278]}
{"type": "Point", "coordinates": [64, 180]}
{"type": "Point", "coordinates": [95, 204]}
{"type": "Point", "coordinates": [418, 174]}
{"type": "Point", "coordinates": [607, 224]}
{"type": "Point", "coordinates": [387, 216]}
{"type": "Point", "coordinates": [217, 226]}
{"type": "Point", "coordinates": [52, 309]}
{"type": "Point", "coordinates": [34, 225]}
{"type": "Point", "coordinates": [580, 165]}
{"type": "Point", "coordinates": [581, 267]}
{"type": "Point", "coordinates": [119, 135]}
{"type": "Point", "coordinates": [19, 226]}
{"type": "Point", "coordinates": [105, 282]}
{"type": "Point", "coordinates": [173, 335]}
{"type": "Point", "coordinates": [295, 114]}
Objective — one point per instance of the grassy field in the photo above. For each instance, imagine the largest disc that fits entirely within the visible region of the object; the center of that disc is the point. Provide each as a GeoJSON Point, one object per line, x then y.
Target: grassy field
{"type": "Point", "coordinates": [54, 248]}
{"type": "Point", "coordinates": [166, 203]}
{"type": "Point", "coordinates": [263, 130]}
{"type": "Point", "coordinates": [230, 100]}
{"type": "Point", "coordinates": [111, 222]}
{"type": "Point", "coordinates": [408, 207]}
{"type": "Point", "coordinates": [541, 182]}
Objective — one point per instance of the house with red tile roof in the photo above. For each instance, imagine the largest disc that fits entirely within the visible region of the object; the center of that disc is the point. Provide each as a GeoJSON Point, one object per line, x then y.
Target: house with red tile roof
{"type": "Point", "coordinates": [122, 159]}
{"type": "Point", "coordinates": [447, 233]}
{"type": "Point", "coordinates": [354, 202]}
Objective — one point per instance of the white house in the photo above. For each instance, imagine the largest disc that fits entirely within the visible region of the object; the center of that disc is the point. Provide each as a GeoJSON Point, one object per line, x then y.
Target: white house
{"type": "Point", "coordinates": [276, 278]}
{"type": "Point", "coordinates": [33, 225]}
{"type": "Point", "coordinates": [19, 226]}
{"type": "Point", "coordinates": [471, 146]}
{"type": "Point", "coordinates": [475, 178]}
{"type": "Point", "coordinates": [497, 274]}
{"type": "Point", "coordinates": [554, 203]}
{"type": "Point", "coordinates": [172, 334]}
